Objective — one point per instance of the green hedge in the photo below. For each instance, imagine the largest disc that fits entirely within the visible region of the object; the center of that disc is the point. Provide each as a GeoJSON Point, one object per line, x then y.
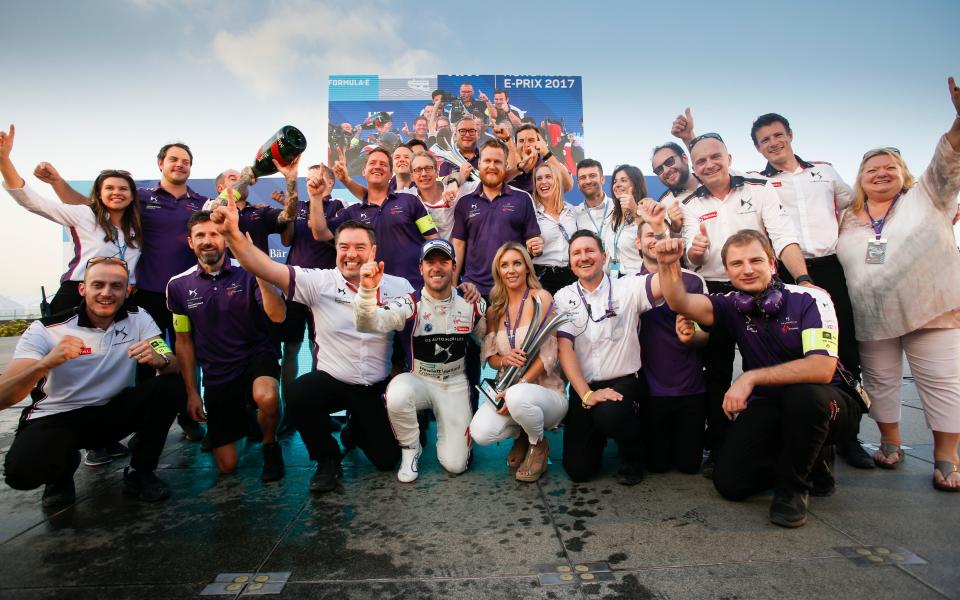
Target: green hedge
{"type": "Point", "coordinates": [13, 328]}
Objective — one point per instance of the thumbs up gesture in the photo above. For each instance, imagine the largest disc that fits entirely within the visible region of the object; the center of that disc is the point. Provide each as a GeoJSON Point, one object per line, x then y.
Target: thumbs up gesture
{"type": "Point", "coordinates": [701, 242]}
{"type": "Point", "coordinates": [683, 126]}
{"type": "Point", "coordinates": [371, 272]}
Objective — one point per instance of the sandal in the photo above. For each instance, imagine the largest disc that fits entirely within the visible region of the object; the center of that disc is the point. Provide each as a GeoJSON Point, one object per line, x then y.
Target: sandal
{"type": "Point", "coordinates": [518, 452]}
{"type": "Point", "coordinates": [946, 469]}
{"type": "Point", "coordinates": [535, 464]}
{"type": "Point", "coordinates": [886, 451]}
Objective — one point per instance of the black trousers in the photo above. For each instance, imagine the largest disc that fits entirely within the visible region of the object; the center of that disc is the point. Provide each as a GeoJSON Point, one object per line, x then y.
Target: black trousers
{"type": "Point", "coordinates": [718, 357]}
{"type": "Point", "coordinates": [775, 442]}
{"type": "Point", "coordinates": [314, 396]}
{"type": "Point", "coordinates": [673, 432]}
{"type": "Point", "coordinates": [554, 278]}
{"type": "Point", "coordinates": [828, 274]}
{"type": "Point", "coordinates": [44, 450]}
{"type": "Point", "coordinates": [586, 431]}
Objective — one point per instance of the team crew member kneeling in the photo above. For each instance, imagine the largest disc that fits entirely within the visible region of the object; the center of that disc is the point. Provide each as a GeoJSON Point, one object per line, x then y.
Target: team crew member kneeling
{"type": "Point", "coordinates": [351, 372]}
{"type": "Point", "coordinates": [789, 406]}
{"type": "Point", "coordinates": [79, 367]}
{"type": "Point", "coordinates": [434, 324]}
{"type": "Point", "coordinates": [219, 313]}
{"type": "Point", "coordinates": [600, 355]}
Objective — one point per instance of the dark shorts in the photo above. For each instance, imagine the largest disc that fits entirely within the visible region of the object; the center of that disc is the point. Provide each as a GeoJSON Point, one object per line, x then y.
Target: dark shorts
{"type": "Point", "coordinates": [295, 323]}
{"type": "Point", "coordinates": [226, 404]}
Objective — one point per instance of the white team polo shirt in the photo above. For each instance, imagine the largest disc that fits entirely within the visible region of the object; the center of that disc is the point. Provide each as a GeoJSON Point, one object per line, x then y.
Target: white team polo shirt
{"type": "Point", "coordinates": [340, 350]}
{"type": "Point", "coordinates": [751, 204]}
{"type": "Point", "coordinates": [597, 219]}
{"type": "Point", "coordinates": [813, 195]}
{"type": "Point", "coordinates": [103, 368]}
{"type": "Point", "coordinates": [556, 235]}
{"type": "Point", "coordinates": [607, 348]}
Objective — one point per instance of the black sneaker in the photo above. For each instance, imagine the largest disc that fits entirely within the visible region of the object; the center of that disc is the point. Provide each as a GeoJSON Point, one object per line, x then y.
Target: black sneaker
{"type": "Point", "coordinates": [61, 493]}
{"type": "Point", "coordinates": [192, 430]}
{"type": "Point", "coordinates": [325, 479]}
{"type": "Point", "coordinates": [709, 464]}
{"type": "Point", "coordinates": [854, 454]}
{"type": "Point", "coordinates": [273, 469]}
{"type": "Point", "coordinates": [97, 457]}
{"type": "Point", "coordinates": [822, 481]}
{"type": "Point", "coordinates": [144, 485]}
{"type": "Point", "coordinates": [117, 450]}
{"type": "Point", "coordinates": [789, 508]}
{"type": "Point", "coordinates": [630, 473]}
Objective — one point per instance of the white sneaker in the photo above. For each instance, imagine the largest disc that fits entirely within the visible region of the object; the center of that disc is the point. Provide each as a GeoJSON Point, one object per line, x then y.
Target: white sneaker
{"type": "Point", "coordinates": [409, 464]}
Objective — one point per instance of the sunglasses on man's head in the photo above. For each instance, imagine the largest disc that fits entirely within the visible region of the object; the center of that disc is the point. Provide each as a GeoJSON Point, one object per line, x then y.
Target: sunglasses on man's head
{"type": "Point", "coordinates": [110, 260]}
{"type": "Point", "coordinates": [706, 136]}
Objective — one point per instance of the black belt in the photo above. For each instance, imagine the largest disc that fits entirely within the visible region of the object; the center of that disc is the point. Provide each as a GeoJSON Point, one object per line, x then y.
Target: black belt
{"type": "Point", "coordinates": [822, 260]}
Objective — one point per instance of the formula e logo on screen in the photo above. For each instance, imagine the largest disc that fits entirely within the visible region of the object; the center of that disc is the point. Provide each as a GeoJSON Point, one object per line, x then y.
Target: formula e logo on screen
{"type": "Point", "coordinates": [349, 82]}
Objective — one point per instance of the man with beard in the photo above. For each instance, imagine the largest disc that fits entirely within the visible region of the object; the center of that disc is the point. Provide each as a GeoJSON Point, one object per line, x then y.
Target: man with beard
{"type": "Point", "coordinates": [596, 212]}
{"type": "Point", "coordinates": [164, 211]}
{"type": "Point", "coordinates": [490, 215]}
{"type": "Point", "coordinates": [435, 323]}
{"type": "Point", "coordinates": [219, 313]}
{"type": "Point", "coordinates": [351, 373]}
{"type": "Point", "coordinates": [399, 220]}
{"type": "Point", "coordinates": [79, 369]}
{"type": "Point", "coordinates": [672, 168]}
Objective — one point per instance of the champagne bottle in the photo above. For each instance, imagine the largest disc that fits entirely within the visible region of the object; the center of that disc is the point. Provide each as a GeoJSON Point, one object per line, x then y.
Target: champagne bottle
{"type": "Point", "coordinates": [284, 146]}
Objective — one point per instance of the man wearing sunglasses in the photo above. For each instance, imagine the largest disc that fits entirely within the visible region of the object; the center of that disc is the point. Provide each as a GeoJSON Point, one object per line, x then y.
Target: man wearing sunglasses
{"type": "Point", "coordinates": [465, 138]}
{"type": "Point", "coordinates": [599, 352]}
{"type": "Point", "coordinates": [721, 206]}
{"type": "Point", "coordinates": [672, 168]}
{"type": "Point", "coordinates": [814, 194]}
{"type": "Point", "coordinates": [79, 369]}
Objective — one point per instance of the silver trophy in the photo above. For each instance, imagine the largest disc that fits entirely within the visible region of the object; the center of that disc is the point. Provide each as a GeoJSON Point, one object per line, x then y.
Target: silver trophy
{"type": "Point", "coordinates": [532, 342]}
{"type": "Point", "coordinates": [453, 157]}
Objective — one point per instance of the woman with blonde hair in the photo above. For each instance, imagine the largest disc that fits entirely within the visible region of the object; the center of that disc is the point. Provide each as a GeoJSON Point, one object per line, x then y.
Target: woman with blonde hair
{"type": "Point", "coordinates": [537, 402]}
{"type": "Point", "coordinates": [899, 255]}
{"type": "Point", "coordinates": [557, 223]}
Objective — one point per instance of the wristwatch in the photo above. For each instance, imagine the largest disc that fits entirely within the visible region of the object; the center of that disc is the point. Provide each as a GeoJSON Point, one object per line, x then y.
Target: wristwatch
{"type": "Point", "coordinates": [803, 279]}
{"type": "Point", "coordinates": [662, 235]}
{"type": "Point", "coordinates": [166, 361]}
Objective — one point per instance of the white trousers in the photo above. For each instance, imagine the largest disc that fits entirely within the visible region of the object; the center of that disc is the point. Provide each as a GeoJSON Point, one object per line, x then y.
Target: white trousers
{"type": "Point", "coordinates": [934, 358]}
{"type": "Point", "coordinates": [450, 401]}
{"type": "Point", "coordinates": [532, 407]}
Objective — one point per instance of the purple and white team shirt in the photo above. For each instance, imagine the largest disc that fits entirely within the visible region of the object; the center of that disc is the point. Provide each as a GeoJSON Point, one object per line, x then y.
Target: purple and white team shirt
{"type": "Point", "coordinates": [806, 324]}
{"type": "Point", "coordinates": [224, 315]}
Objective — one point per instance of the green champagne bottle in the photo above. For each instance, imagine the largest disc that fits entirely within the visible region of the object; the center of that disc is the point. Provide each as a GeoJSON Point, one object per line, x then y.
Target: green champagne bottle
{"type": "Point", "coordinates": [284, 146]}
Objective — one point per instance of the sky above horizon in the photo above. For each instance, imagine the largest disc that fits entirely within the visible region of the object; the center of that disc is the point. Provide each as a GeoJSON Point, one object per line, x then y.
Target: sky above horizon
{"type": "Point", "coordinates": [103, 84]}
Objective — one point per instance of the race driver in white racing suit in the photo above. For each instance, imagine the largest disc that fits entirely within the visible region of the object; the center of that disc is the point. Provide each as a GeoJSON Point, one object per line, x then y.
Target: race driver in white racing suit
{"type": "Point", "coordinates": [435, 323]}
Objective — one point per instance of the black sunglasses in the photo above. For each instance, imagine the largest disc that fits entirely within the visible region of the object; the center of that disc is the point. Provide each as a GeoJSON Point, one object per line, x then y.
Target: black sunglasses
{"type": "Point", "coordinates": [881, 150]}
{"type": "Point", "coordinates": [667, 163]}
{"type": "Point", "coordinates": [110, 260]}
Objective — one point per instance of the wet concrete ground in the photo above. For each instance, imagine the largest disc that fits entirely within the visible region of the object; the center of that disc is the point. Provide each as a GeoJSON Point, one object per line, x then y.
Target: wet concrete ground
{"type": "Point", "coordinates": [478, 535]}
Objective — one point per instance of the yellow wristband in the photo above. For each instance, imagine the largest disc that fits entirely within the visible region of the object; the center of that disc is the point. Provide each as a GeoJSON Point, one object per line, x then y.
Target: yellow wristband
{"type": "Point", "coordinates": [583, 401]}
